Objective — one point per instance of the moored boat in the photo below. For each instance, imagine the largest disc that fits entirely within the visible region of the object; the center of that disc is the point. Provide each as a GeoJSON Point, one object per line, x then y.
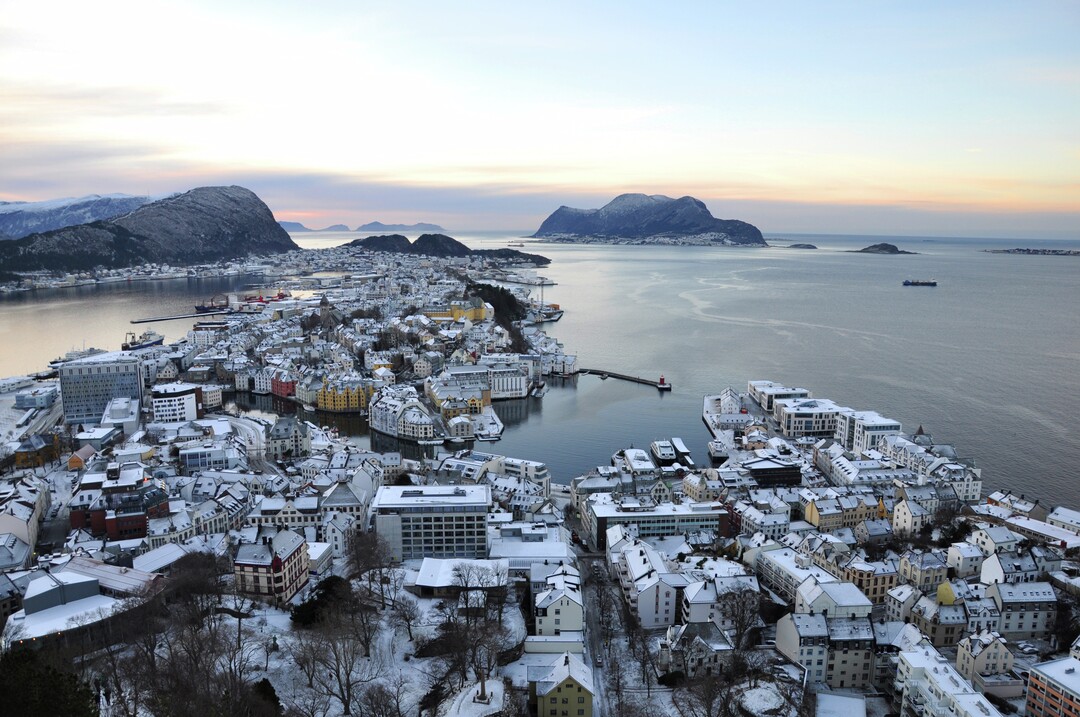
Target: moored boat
{"type": "Point", "coordinates": [920, 282]}
{"type": "Point", "coordinates": [146, 340]}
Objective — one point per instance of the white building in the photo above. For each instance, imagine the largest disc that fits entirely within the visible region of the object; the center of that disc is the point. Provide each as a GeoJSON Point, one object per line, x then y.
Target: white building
{"type": "Point", "coordinates": [435, 522]}
{"type": "Point", "coordinates": [927, 685]}
{"type": "Point", "coordinates": [176, 402]}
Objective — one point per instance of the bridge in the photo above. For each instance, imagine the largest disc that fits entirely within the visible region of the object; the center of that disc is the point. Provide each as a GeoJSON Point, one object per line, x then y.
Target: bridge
{"type": "Point", "coordinates": [661, 384]}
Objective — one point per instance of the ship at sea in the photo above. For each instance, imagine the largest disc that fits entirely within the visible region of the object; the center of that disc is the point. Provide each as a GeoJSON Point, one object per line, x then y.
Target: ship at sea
{"type": "Point", "coordinates": [146, 340]}
{"type": "Point", "coordinates": [920, 282]}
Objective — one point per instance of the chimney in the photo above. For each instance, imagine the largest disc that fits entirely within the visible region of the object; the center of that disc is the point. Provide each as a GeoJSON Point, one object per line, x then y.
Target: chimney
{"type": "Point", "coordinates": [566, 659]}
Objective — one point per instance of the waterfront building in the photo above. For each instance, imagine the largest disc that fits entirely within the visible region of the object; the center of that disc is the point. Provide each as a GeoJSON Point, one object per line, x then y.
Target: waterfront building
{"type": "Point", "coordinates": [397, 411]}
{"type": "Point", "coordinates": [432, 521]}
{"type": "Point", "coordinates": [814, 417]}
{"type": "Point", "coordinates": [766, 393]}
{"type": "Point", "coordinates": [288, 437]}
{"type": "Point", "coordinates": [860, 431]}
{"type": "Point", "coordinates": [87, 385]}
{"type": "Point", "coordinates": [1066, 518]}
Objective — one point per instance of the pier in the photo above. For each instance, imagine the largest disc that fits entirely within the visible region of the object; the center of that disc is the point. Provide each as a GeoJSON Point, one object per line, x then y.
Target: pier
{"type": "Point", "coordinates": [181, 316]}
{"type": "Point", "coordinates": [662, 384]}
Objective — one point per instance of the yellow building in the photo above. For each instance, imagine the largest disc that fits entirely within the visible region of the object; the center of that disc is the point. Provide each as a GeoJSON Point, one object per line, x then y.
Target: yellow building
{"type": "Point", "coordinates": [472, 309]}
{"type": "Point", "coordinates": [345, 395]}
{"type": "Point", "coordinates": [563, 689]}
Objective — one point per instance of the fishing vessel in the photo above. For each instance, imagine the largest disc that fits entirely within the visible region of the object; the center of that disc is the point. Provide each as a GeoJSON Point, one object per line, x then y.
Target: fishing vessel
{"type": "Point", "coordinates": [920, 282]}
{"type": "Point", "coordinates": [146, 340]}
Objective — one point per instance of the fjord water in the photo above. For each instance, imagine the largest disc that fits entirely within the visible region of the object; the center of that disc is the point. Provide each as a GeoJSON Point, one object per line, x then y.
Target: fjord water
{"type": "Point", "coordinates": [987, 360]}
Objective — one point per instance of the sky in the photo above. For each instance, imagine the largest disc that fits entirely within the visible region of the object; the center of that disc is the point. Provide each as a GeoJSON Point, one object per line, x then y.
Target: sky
{"type": "Point", "coordinates": [920, 118]}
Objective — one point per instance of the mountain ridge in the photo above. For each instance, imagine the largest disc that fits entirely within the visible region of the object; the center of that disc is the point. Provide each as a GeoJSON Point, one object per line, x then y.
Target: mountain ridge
{"type": "Point", "coordinates": [202, 225]}
{"type": "Point", "coordinates": [20, 219]}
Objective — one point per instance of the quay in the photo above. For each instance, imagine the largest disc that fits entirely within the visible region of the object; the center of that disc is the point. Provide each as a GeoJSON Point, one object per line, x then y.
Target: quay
{"type": "Point", "coordinates": [181, 316]}
{"type": "Point", "coordinates": [662, 384]}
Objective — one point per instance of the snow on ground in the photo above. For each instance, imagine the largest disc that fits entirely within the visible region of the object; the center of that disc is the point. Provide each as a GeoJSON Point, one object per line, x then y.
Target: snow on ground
{"type": "Point", "coordinates": [463, 704]}
{"type": "Point", "coordinates": [267, 624]}
{"type": "Point", "coordinates": [765, 699]}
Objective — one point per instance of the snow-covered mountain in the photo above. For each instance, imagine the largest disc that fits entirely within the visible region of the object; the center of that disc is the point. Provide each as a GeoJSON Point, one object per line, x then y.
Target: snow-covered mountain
{"type": "Point", "coordinates": [202, 225]}
{"type": "Point", "coordinates": [19, 219]}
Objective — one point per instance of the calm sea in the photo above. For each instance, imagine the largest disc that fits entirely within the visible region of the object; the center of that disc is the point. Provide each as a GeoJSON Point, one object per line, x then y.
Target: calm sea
{"type": "Point", "coordinates": [986, 361]}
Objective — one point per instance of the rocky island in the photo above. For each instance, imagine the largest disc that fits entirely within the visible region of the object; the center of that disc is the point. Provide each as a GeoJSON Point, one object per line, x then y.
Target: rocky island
{"type": "Point", "coordinates": [882, 248]}
{"type": "Point", "coordinates": [647, 219]}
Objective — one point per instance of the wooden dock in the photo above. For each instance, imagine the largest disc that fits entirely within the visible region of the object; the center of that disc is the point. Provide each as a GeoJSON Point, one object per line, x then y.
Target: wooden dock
{"type": "Point", "coordinates": [662, 384]}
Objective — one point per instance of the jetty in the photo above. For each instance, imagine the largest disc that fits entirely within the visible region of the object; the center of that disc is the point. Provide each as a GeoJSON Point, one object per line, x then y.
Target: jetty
{"type": "Point", "coordinates": [181, 316]}
{"type": "Point", "coordinates": [662, 384]}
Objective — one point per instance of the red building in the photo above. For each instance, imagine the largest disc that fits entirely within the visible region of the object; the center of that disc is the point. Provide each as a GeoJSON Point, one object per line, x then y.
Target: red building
{"type": "Point", "coordinates": [283, 384]}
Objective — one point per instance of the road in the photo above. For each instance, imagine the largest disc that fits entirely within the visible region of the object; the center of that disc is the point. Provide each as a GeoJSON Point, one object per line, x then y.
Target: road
{"type": "Point", "coordinates": [601, 625]}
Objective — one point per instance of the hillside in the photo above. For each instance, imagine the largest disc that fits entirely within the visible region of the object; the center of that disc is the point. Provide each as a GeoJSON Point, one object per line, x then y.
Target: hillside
{"type": "Point", "coordinates": [202, 225]}
{"type": "Point", "coordinates": [442, 246]}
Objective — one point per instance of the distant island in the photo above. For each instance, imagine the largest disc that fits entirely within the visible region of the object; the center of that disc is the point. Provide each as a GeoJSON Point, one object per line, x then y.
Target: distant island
{"type": "Point", "coordinates": [442, 246]}
{"type": "Point", "coordinates": [293, 227]}
{"type": "Point", "coordinates": [882, 248]}
{"type": "Point", "coordinates": [801, 246]}
{"type": "Point", "coordinates": [334, 228]}
{"type": "Point", "coordinates": [1035, 252]}
{"type": "Point", "coordinates": [418, 227]}
{"type": "Point", "coordinates": [647, 219]}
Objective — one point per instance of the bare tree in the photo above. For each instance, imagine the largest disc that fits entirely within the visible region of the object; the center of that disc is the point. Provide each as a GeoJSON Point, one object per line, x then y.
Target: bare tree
{"type": "Point", "coordinates": [304, 650]}
{"type": "Point", "coordinates": [641, 650]}
{"type": "Point", "coordinates": [343, 667]}
{"type": "Point", "coordinates": [386, 698]}
{"type": "Point", "coordinates": [406, 613]}
{"type": "Point", "coordinates": [484, 648]}
{"type": "Point", "coordinates": [706, 696]}
{"type": "Point", "coordinates": [308, 703]}
{"type": "Point", "coordinates": [363, 621]}
{"type": "Point", "coordinates": [740, 608]}
{"type": "Point", "coordinates": [368, 557]}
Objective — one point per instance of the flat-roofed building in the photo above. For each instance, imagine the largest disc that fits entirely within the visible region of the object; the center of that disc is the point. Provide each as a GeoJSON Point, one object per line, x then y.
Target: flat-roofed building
{"type": "Point", "coordinates": [433, 521]}
{"type": "Point", "coordinates": [603, 510]}
{"type": "Point", "coordinates": [1054, 689]}
{"type": "Point", "coordinates": [766, 393]}
{"type": "Point", "coordinates": [87, 385]}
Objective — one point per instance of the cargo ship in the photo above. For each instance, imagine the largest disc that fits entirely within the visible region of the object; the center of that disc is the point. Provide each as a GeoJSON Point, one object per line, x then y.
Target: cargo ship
{"type": "Point", "coordinates": [920, 282]}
